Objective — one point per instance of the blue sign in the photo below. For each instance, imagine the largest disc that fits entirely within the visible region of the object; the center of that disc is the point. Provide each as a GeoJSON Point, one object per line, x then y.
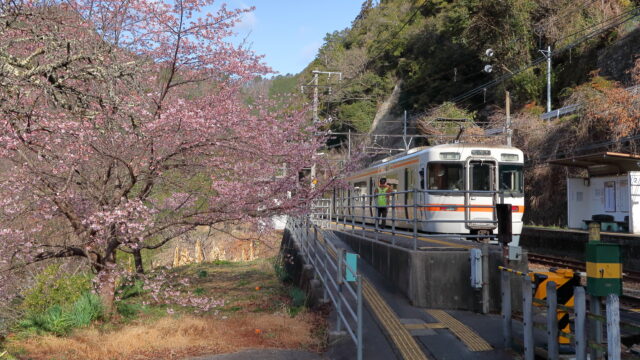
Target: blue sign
{"type": "Point", "coordinates": [352, 264]}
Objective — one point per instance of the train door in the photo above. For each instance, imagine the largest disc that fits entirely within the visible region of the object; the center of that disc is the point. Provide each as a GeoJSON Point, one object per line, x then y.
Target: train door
{"type": "Point", "coordinates": [479, 211]}
{"type": "Point", "coordinates": [371, 200]}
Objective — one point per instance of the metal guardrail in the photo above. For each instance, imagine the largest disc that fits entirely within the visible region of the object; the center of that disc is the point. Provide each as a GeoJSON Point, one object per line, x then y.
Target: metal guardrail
{"type": "Point", "coordinates": [333, 272]}
{"type": "Point", "coordinates": [575, 107]}
{"type": "Point", "coordinates": [582, 341]}
{"type": "Point", "coordinates": [366, 205]}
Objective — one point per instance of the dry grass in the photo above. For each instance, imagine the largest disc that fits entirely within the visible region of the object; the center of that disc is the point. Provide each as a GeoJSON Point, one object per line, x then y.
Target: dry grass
{"type": "Point", "coordinates": [256, 314]}
{"type": "Point", "coordinates": [179, 337]}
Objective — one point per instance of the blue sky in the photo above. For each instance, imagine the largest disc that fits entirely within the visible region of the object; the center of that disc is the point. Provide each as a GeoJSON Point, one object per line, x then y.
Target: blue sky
{"type": "Point", "coordinates": [289, 32]}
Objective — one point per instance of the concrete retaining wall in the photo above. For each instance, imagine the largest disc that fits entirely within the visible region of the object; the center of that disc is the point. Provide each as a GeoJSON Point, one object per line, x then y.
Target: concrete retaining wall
{"type": "Point", "coordinates": [571, 243]}
{"type": "Point", "coordinates": [436, 279]}
{"type": "Point", "coordinates": [301, 275]}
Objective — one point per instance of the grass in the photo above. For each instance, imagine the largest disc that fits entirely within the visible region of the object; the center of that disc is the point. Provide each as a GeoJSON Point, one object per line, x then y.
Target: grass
{"type": "Point", "coordinates": [259, 312]}
{"type": "Point", "coordinates": [177, 337]}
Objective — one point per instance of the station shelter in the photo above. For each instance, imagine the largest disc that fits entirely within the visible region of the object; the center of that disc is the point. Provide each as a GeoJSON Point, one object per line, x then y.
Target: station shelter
{"type": "Point", "coordinates": [609, 194]}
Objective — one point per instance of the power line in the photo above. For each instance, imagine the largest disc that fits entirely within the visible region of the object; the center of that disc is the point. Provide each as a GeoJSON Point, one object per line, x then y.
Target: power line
{"type": "Point", "coordinates": [618, 20]}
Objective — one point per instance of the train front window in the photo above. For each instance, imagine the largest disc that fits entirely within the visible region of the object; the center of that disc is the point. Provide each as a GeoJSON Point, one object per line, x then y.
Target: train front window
{"type": "Point", "coordinates": [481, 176]}
{"type": "Point", "coordinates": [511, 178]}
{"type": "Point", "coordinates": [445, 176]}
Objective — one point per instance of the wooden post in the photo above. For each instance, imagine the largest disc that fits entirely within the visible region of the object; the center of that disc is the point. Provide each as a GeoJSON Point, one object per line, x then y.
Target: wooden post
{"type": "Point", "coordinates": [580, 309]}
{"type": "Point", "coordinates": [505, 287]}
{"type": "Point", "coordinates": [594, 231]}
{"type": "Point", "coordinates": [613, 327]}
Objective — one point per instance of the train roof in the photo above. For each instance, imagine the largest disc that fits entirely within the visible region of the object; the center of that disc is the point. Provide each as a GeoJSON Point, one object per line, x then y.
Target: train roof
{"type": "Point", "coordinates": [411, 153]}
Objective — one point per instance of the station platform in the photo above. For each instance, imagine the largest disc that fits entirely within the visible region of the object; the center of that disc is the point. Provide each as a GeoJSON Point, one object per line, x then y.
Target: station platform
{"type": "Point", "coordinates": [396, 329]}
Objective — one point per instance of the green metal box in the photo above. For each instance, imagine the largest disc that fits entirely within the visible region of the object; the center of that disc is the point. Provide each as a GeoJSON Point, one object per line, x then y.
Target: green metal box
{"type": "Point", "coordinates": [604, 269]}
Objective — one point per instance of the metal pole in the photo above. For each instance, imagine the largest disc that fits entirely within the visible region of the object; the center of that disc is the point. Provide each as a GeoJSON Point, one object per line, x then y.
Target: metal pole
{"type": "Point", "coordinates": [613, 327]}
{"type": "Point", "coordinates": [364, 199]}
{"type": "Point", "coordinates": [349, 144]}
{"type": "Point", "coordinates": [552, 321]}
{"type": "Point", "coordinates": [527, 318]}
{"type": "Point", "coordinates": [505, 281]}
{"type": "Point", "coordinates": [315, 96]}
{"type": "Point", "coordinates": [404, 131]}
{"type": "Point", "coordinates": [580, 309]}
{"type": "Point", "coordinates": [353, 213]}
{"type": "Point", "coordinates": [339, 282]}
{"type": "Point", "coordinates": [393, 219]}
{"type": "Point", "coordinates": [415, 219]}
{"type": "Point", "coordinates": [548, 78]}
{"type": "Point", "coordinates": [508, 121]}
{"type": "Point", "coordinates": [359, 314]}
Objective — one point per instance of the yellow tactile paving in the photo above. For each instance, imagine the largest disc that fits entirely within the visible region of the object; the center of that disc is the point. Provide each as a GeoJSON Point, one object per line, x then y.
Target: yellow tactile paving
{"type": "Point", "coordinates": [473, 341]}
{"type": "Point", "coordinates": [425, 326]}
{"type": "Point", "coordinates": [406, 344]}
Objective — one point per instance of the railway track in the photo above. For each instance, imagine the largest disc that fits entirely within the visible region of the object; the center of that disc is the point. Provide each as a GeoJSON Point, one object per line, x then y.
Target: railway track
{"type": "Point", "coordinates": [630, 298]}
{"type": "Point", "coordinates": [631, 276]}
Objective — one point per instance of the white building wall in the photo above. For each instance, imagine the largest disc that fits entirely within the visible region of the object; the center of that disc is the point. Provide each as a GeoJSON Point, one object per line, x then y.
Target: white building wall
{"type": "Point", "coordinates": [603, 195]}
{"type": "Point", "coordinates": [634, 202]}
{"type": "Point", "coordinates": [578, 198]}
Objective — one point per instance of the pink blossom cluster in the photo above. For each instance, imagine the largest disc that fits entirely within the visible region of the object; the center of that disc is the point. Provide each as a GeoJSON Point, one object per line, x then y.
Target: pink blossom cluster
{"type": "Point", "coordinates": [123, 126]}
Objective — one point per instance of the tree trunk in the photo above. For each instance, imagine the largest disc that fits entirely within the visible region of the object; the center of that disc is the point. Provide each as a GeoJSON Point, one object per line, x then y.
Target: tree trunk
{"type": "Point", "coordinates": [106, 289]}
{"type": "Point", "coordinates": [137, 257]}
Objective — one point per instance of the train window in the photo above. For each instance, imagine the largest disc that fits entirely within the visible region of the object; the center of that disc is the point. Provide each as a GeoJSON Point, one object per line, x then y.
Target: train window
{"type": "Point", "coordinates": [360, 188]}
{"type": "Point", "coordinates": [392, 180]}
{"type": "Point", "coordinates": [445, 176]}
{"type": "Point", "coordinates": [421, 172]}
{"type": "Point", "coordinates": [511, 179]}
{"type": "Point", "coordinates": [481, 175]}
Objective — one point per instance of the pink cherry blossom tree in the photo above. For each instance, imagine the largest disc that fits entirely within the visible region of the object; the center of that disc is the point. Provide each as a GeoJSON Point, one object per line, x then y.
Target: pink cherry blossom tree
{"type": "Point", "coordinates": [122, 126]}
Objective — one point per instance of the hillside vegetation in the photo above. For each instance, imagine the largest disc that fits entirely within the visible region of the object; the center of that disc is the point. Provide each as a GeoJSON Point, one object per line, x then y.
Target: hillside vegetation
{"type": "Point", "coordinates": [435, 51]}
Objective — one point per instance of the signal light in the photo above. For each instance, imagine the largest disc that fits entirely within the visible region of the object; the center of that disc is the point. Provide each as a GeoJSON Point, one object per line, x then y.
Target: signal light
{"type": "Point", "coordinates": [515, 208]}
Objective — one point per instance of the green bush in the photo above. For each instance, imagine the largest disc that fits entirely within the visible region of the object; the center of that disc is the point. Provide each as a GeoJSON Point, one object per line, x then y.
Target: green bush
{"type": "Point", "coordinates": [128, 310]}
{"type": "Point", "coordinates": [54, 287]}
{"type": "Point", "coordinates": [130, 289]}
{"type": "Point", "coordinates": [85, 310]}
{"type": "Point", "coordinates": [298, 297]}
{"type": "Point", "coordinates": [281, 272]}
{"type": "Point", "coordinates": [60, 320]}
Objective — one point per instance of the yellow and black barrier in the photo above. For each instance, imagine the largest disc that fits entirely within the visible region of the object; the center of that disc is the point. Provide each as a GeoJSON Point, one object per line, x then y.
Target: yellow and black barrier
{"type": "Point", "coordinates": [565, 280]}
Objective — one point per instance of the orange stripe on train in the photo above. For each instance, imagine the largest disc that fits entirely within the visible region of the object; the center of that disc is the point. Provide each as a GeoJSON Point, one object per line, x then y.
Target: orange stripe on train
{"type": "Point", "coordinates": [460, 208]}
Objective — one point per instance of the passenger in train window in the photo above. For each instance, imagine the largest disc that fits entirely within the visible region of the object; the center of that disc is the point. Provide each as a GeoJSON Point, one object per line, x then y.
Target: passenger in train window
{"type": "Point", "coordinates": [382, 202]}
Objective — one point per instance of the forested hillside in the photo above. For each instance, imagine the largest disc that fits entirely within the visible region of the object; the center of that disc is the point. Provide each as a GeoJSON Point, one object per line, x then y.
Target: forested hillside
{"type": "Point", "coordinates": [435, 51]}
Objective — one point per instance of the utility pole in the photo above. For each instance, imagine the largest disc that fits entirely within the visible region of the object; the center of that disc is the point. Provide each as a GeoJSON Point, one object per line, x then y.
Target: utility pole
{"type": "Point", "coordinates": [547, 54]}
{"type": "Point", "coordinates": [507, 126]}
{"type": "Point", "coordinates": [315, 96]}
{"type": "Point", "coordinates": [349, 143]}
{"type": "Point", "coordinates": [404, 131]}
{"type": "Point", "coordinates": [549, 79]}
{"type": "Point", "coordinates": [316, 117]}
{"type": "Point", "coordinates": [315, 85]}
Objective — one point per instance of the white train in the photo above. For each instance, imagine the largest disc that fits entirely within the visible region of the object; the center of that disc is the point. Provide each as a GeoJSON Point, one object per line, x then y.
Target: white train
{"type": "Point", "coordinates": [457, 186]}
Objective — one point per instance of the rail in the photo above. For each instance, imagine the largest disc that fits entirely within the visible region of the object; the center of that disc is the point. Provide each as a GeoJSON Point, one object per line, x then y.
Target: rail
{"type": "Point", "coordinates": [342, 282]}
{"type": "Point", "coordinates": [361, 211]}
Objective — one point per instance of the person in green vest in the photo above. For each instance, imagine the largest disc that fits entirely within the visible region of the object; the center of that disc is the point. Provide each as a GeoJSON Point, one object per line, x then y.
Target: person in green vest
{"type": "Point", "coordinates": [382, 202]}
